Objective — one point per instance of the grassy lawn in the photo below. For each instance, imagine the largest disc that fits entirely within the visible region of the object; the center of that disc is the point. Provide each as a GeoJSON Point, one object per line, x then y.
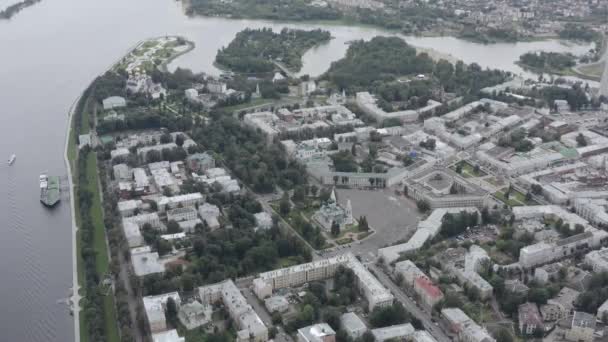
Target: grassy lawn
{"type": "Point", "coordinates": [344, 241]}
{"type": "Point", "coordinates": [102, 262]}
{"type": "Point", "coordinates": [468, 170]}
{"type": "Point", "coordinates": [516, 198]}
{"type": "Point", "coordinates": [100, 247]}
{"type": "Point", "coordinates": [493, 181]}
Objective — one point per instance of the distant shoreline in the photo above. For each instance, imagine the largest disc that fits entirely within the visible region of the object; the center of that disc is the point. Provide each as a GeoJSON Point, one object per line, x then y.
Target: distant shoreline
{"type": "Point", "coordinates": [13, 9]}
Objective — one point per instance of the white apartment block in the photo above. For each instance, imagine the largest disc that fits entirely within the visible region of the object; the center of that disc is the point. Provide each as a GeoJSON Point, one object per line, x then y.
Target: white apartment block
{"type": "Point", "coordinates": [548, 252]}
{"type": "Point", "coordinates": [251, 327]}
{"type": "Point", "coordinates": [185, 200]}
{"type": "Point", "coordinates": [155, 310]}
{"type": "Point", "coordinates": [375, 293]}
{"type": "Point", "coordinates": [598, 260]}
{"type": "Point", "coordinates": [367, 103]}
{"type": "Point", "coordinates": [182, 214]}
{"type": "Point", "coordinates": [150, 218]}
{"type": "Point", "coordinates": [426, 230]}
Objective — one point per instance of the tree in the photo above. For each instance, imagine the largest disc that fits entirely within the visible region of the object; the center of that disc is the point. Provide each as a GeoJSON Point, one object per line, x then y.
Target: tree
{"type": "Point", "coordinates": [503, 335]}
{"type": "Point", "coordinates": [335, 228]}
{"type": "Point", "coordinates": [459, 168]}
{"type": "Point", "coordinates": [166, 138]}
{"type": "Point", "coordinates": [476, 169]}
{"type": "Point", "coordinates": [580, 140]}
{"type": "Point", "coordinates": [284, 205]}
{"type": "Point", "coordinates": [363, 225]}
{"type": "Point", "coordinates": [171, 312]}
{"type": "Point", "coordinates": [423, 206]}
{"type": "Point", "coordinates": [453, 189]}
{"type": "Point", "coordinates": [179, 140]}
{"type": "Point", "coordinates": [173, 227]}
{"type": "Point", "coordinates": [299, 194]}
{"type": "Point", "coordinates": [388, 315]}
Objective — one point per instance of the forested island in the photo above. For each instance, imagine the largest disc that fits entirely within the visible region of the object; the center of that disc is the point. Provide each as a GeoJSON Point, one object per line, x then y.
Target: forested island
{"type": "Point", "coordinates": [255, 51]}
{"type": "Point", "coordinates": [408, 18]}
{"type": "Point", "coordinates": [13, 9]}
{"type": "Point", "coordinates": [548, 62]}
{"type": "Point", "coordinates": [377, 64]}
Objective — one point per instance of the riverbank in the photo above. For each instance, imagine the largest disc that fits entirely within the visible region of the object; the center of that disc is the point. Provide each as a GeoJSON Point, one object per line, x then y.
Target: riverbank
{"type": "Point", "coordinates": [84, 182]}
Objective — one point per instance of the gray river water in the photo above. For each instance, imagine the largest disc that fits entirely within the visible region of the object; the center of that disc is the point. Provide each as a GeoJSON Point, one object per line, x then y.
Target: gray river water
{"type": "Point", "coordinates": [49, 53]}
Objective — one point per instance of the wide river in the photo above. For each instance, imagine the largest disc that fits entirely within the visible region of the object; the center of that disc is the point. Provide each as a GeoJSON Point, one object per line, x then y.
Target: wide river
{"type": "Point", "coordinates": [50, 52]}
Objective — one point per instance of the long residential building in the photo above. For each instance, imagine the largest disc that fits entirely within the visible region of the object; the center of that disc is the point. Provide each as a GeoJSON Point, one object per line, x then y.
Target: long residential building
{"type": "Point", "coordinates": [185, 201]}
{"type": "Point", "coordinates": [367, 103]}
{"type": "Point", "coordinates": [421, 188]}
{"type": "Point", "coordinates": [464, 327]}
{"type": "Point", "coordinates": [427, 230]}
{"type": "Point", "coordinates": [250, 325]}
{"type": "Point", "coordinates": [548, 252]}
{"type": "Point", "coordinates": [598, 260]}
{"type": "Point", "coordinates": [374, 292]}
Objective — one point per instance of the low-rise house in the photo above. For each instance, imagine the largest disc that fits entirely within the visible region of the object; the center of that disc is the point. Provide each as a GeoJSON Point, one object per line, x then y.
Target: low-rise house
{"type": "Point", "coordinates": [352, 325]}
{"type": "Point", "coordinates": [145, 261]}
{"type": "Point", "coordinates": [263, 220]}
{"type": "Point", "coordinates": [422, 336]}
{"type": "Point", "coordinates": [602, 312]}
{"type": "Point", "coordinates": [249, 324]}
{"type": "Point", "coordinates": [429, 293]}
{"type": "Point", "coordinates": [529, 319]}
{"type": "Point", "coordinates": [122, 172]}
{"type": "Point", "coordinates": [548, 273]}
{"type": "Point", "coordinates": [155, 310]}
{"type": "Point", "coordinates": [464, 327]}
{"type": "Point", "coordinates": [167, 336]}
{"type": "Point", "coordinates": [564, 301]}
{"type": "Point", "coordinates": [84, 140]}
{"type": "Point", "coordinates": [182, 214]}
{"type": "Point", "coordinates": [276, 303]}
{"type": "Point", "coordinates": [132, 234]}
{"type": "Point", "coordinates": [142, 183]}
{"type": "Point", "coordinates": [393, 332]}
{"type": "Point", "coordinates": [200, 162]}
{"type": "Point", "coordinates": [550, 312]}
{"type": "Point", "coordinates": [320, 332]}
{"type": "Point", "coordinates": [121, 152]}
{"type": "Point", "coordinates": [184, 201]}
{"type": "Point", "coordinates": [149, 218]}
{"type": "Point", "coordinates": [516, 286]}
{"type": "Point", "coordinates": [129, 208]}
{"type": "Point", "coordinates": [598, 260]}
{"type": "Point", "coordinates": [582, 328]}
{"type": "Point", "coordinates": [409, 271]}
{"type": "Point", "coordinates": [210, 213]}
{"type": "Point", "coordinates": [113, 102]}
{"type": "Point", "coordinates": [193, 315]}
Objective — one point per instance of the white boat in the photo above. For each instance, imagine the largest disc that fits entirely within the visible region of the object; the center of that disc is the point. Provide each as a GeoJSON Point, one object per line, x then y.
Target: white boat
{"type": "Point", "coordinates": [11, 160]}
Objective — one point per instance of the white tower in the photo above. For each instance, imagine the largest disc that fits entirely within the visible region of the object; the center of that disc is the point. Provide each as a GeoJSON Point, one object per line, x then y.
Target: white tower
{"type": "Point", "coordinates": [332, 197]}
{"type": "Point", "coordinates": [348, 213]}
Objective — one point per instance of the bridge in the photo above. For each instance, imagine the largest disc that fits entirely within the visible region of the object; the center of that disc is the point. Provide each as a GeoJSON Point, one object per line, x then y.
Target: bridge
{"type": "Point", "coordinates": [285, 69]}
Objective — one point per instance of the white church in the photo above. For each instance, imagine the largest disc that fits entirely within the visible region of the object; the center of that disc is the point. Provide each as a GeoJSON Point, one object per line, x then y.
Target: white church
{"type": "Point", "coordinates": [332, 212]}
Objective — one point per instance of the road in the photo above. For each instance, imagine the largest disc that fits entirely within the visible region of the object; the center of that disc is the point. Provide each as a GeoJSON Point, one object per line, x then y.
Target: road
{"type": "Point", "coordinates": [409, 305]}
